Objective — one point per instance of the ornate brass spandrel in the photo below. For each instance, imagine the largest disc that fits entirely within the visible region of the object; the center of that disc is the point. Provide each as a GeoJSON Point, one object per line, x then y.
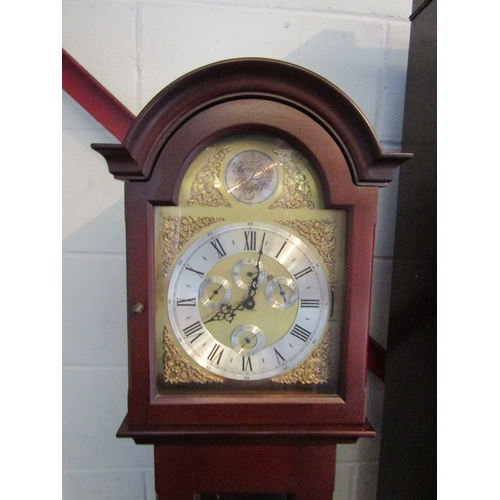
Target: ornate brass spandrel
{"type": "Point", "coordinates": [315, 370]}
{"type": "Point", "coordinates": [177, 231]}
{"type": "Point", "coordinates": [205, 189]}
{"type": "Point", "coordinates": [321, 233]}
{"type": "Point", "coordinates": [177, 370]}
{"type": "Point", "coordinates": [296, 189]}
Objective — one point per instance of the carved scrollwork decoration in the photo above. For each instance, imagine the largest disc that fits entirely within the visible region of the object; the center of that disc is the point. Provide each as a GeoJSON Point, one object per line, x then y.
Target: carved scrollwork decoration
{"type": "Point", "coordinates": [177, 370]}
{"type": "Point", "coordinates": [177, 231]}
{"type": "Point", "coordinates": [296, 190]}
{"type": "Point", "coordinates": [205, 190]}
{"type": "Point", "coordinates": [321, 233]}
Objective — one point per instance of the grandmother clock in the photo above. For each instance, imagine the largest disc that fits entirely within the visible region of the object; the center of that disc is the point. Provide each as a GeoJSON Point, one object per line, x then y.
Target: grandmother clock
{"type": "Point", "coordinates": [250, 204]}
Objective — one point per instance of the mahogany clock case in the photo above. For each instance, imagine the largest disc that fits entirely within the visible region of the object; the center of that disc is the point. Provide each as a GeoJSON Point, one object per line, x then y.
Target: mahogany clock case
{"type": "Point", "coordinates": [241, 97]}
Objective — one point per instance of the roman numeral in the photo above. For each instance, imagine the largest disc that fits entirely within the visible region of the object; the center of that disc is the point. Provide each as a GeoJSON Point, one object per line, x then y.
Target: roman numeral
{"type": "Point", "coordinates": [300, 333]}
{"type": "Point", "coordinates": [199, 273]}
{"type": "Point", "coordinates": [195, 330]}
{"type": "Point", "coordinates": [220, 251]}
{"type": "Point", "coordinates": [305, 271]}
{"type": "Point", "coordinates": [246, 363]}
{"type": "Point", "coordinates": [309, 303]}
{"type": "Point", "coordinates": [186, 302]}
{"type": "Point", "coordinates": [279, 357]}
{"type": "Point", "coordinates": [279, 251]}
{"type": "Point", "coordinates": [250, 240]}
{"type": "Point", "coordinates": [215, 355]}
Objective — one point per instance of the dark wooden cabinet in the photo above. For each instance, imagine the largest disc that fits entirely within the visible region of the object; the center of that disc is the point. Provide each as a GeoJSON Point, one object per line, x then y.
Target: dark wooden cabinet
{"type": "Point", "coordinates": [408, 448]}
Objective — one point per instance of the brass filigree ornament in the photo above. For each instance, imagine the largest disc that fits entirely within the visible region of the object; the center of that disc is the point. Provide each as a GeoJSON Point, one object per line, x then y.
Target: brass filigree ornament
{"type": "Point", "coordinates": [177, 231]}
{"type": "Point", "coordinates": [177, 370]}
{"type": "Point", "coordinates": [296, 190]}
{"type": "Point", "coordinates": [321, 233]}
{"type": "Point", "coordinates": [315, 370]}
{"type": "Point", "coordinates": [205, 189]}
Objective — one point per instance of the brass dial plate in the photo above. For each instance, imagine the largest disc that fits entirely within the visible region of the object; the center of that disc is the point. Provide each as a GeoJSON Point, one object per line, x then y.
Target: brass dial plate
{"type": "Point", "coordinates": [226, 312]}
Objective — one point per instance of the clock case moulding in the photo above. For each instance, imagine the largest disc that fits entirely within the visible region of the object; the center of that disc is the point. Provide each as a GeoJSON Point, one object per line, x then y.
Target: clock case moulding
{"type": "Point", "coordinates": [223, 99]}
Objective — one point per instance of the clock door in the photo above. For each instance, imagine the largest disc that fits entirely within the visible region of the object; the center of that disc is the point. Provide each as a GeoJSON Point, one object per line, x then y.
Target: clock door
{"type": "Point", "coordinates": [250, 204]}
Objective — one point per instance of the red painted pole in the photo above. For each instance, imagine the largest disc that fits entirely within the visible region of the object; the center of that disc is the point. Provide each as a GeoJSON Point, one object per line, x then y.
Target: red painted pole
{"type": "Point", "coordinates": [94, 98]}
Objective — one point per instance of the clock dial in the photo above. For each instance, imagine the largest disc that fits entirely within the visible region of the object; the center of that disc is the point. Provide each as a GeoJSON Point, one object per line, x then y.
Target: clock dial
{"type": "Point", "coordinates": [282, 293]}
{"type": "Point", "coordinates": [245, 271]}
{"type": "Point", "coordinates": [247, 340]}
{"type": "Point", "coordinates": [251, 177]}
{"type": "Point", "coordinates": [214, 292]}
{"type": "Point", "coordinates": [263, 323]}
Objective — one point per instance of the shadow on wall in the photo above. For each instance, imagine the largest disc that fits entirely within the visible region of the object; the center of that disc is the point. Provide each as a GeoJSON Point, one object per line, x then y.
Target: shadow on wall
{"type": "Point", "coordinates": [94, 293]}
{"type": "Point", "coordinates": [371, 76]}
{"type": "Point", "coordinates": [104, 233]}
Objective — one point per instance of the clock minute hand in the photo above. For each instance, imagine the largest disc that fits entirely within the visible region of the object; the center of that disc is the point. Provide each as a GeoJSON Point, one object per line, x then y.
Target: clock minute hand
{"type": "Point", "coordinates": [255, 280]}
{"type": "Point", "coordinates": [249, 302]}
{"type": "Point", "coordinates": [261, 251]}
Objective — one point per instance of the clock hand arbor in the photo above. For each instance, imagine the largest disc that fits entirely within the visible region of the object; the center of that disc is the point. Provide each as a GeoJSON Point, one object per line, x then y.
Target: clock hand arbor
{"type": "Point", "coordinates": [216, 292]}
{"type": "Point", "coordinates": [246, 342]}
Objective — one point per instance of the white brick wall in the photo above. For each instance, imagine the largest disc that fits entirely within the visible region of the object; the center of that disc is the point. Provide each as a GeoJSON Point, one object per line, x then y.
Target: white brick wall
{"type": "Point", "coordinates": [135, 48]}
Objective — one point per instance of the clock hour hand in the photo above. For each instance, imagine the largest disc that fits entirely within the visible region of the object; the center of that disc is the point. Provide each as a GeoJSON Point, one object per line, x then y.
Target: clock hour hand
{"type": "Point", "coordinates": [227, 312]}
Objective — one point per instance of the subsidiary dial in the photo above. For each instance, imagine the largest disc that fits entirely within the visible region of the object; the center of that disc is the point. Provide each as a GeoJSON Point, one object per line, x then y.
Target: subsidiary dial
{"type": "Point", "coordinates": [215, 292]}
{"type": "Point", "coordinates": [247, 340]}
{"type": "Point", "coordinates": [245, 271]}
{"type": "Point", "coordinates": [282, 293]}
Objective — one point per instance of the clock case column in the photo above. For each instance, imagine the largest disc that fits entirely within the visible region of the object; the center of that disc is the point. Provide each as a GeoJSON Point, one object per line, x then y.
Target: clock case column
{"type": "Point", "coordinates": [298, 472]}
{"type": "Point", "coordinates": [234, 97]}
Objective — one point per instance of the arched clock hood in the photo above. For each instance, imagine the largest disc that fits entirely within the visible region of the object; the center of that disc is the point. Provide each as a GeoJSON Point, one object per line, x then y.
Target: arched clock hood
{"type": "Point", "coordinates": [252, 78]}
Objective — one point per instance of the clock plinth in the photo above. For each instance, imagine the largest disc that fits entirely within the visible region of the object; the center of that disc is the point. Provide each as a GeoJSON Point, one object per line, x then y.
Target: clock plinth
{"type": "Point", "coordinates": [250, 206]}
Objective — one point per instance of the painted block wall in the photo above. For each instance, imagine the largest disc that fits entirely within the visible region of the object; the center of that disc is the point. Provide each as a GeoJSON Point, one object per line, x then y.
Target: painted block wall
{"type": "Point", "coordinates": [135, 48]}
